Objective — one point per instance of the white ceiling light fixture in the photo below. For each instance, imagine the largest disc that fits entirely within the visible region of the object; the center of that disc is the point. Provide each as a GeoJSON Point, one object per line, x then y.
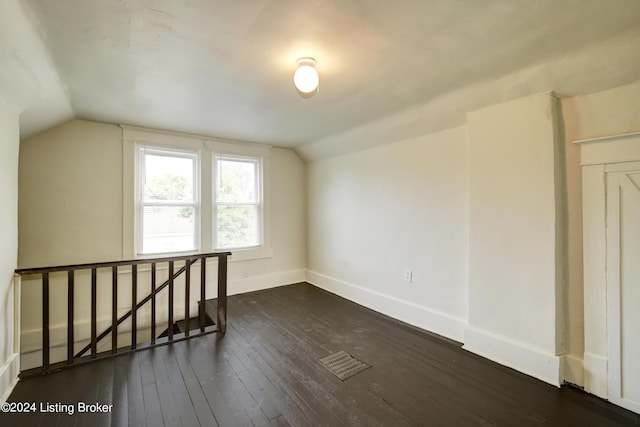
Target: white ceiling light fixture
{"type": "Point", "coordinates": [306, 77]}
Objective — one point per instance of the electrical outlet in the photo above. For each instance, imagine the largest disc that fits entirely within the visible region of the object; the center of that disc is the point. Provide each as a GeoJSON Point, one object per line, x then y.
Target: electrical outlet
{"type": "Point", "coordinates": [408, 275]}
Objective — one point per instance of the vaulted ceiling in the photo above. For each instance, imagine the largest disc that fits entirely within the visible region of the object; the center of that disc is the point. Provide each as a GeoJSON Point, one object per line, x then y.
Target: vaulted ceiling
{"type": "Point", "coordinates": [224, 68]}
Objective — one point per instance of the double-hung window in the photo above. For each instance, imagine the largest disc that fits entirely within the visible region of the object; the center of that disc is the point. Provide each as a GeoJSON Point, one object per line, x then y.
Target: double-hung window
{"type": "Point", "coordinates": [168, 210]}
{"type": "Point", "coordinates": [237, 212]}
{"type": "Point", "coordinates": [194, 194]}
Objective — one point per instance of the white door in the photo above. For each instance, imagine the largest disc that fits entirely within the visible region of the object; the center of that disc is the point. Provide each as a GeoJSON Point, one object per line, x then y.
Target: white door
{"type": "Point", "coordinates": [623, 283]}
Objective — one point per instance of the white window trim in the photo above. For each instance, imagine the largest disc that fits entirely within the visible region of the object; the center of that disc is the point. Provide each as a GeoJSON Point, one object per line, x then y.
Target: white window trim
{"type": "Point", "coordinates": [140, 204]}
{"type": "Point", "coordinates": [259, 203]}
{"type": "Point", "coordinates": [206, 148]}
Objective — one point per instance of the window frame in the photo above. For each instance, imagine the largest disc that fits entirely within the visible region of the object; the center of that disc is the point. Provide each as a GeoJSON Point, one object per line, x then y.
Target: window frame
{"type": "Point", "coordinates": [143, 149]}
{"type": "Point", "coordinates": [207, 147]}
{"type": "Point", "coordinates": [258, 161]}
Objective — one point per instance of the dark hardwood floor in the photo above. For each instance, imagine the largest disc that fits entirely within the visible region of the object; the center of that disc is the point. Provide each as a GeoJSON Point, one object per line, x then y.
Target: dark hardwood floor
{"type": "Point", "coordinates": [265, 372]}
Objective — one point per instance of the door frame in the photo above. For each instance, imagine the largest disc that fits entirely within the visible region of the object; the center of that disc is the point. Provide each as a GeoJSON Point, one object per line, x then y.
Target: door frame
{"type": "Point", "coordinates": [602, 161]}
{"type": "Point", "coordinates": [616, 179]}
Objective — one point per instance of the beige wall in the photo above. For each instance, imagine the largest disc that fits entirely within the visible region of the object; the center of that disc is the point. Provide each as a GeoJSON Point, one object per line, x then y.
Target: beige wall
{"type": "Point", "coordinates": [9, 142]}
{"type": "Point", "coordinates": [288, 210]}
{"type": "Point", "coordinates": [71, 211]}
{"type": "Point", "coordinates": [71, 191]}
{"type": "Point", "coordinates": [611, 112]}
{"type": "Point", "coordinates": [575, 303]}
{"type": "Point", "coordinates": [71, 195]}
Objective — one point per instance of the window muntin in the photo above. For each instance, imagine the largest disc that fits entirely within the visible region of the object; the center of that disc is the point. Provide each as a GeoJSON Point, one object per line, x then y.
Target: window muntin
{"type": "Point", "coordinates": [168, 201]}
{"type": "Point", "coordinates": [238, 208]}
{"type": "Point", "coordinates": [205, 209]}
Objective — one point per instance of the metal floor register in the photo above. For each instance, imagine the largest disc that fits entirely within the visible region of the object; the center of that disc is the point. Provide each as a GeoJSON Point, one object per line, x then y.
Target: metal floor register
{"type": "Point", "coordinates": [343, 365]}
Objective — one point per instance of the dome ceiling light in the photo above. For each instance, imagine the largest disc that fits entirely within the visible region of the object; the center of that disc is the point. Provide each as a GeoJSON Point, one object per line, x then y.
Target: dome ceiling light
{"type": "Point", "coordinates": [306, 77]}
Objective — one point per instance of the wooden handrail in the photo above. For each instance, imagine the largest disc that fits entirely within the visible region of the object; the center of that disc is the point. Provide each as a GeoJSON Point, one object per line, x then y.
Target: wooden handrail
{"type": "Point", "coordinates": [40, 270]}
{"type": "Point", "coordinates": [189, 260]}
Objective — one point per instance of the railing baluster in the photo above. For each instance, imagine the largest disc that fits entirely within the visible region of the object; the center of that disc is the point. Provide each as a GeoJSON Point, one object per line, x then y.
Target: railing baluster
{"type": "Point", "coordinates": [45, 321]}
{"type": "Point", "coordinates": [92, 347]}
{"type": "Point", "coordinates": [126, 316]}
{"type": "Point", "coordinates": [187, 291]}
{"type": "Point", "coordinates": [134, 301]}
{"type": "Point", "coordinates": [70, 307]}
{"type": "Point", "coordinates": [222, 294]}
{"type": "Point", "coordinates": [203, 284]}
{"type": "Point", "coordinates": [153, 303]}
{"type": "Point", "coordinates": [170, 301]}
{"type": "Point", "coordinates": [114, 309]}
{"type": "Point", "coordinates": [94, 311]}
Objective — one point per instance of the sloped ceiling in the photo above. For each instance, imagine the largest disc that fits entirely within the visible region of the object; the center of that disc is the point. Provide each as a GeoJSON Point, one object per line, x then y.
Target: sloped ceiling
{"type": "Point", "coordinates": [224, 68]}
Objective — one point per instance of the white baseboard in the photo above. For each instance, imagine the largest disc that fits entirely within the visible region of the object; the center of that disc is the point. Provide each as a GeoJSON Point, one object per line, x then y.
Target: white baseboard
{"type": "Point", "coordinates": [595, 375]}
{"type": "Point", "coordinates": [9, 376]}
{"type": "Point", "coordinates": [406, 311]}
{"type": "Point", "coordinates": [572, 370]}
{"type": "Point", "coordinates": [265, 281]}
{"type": "Point", "coordinates": [516, 355]}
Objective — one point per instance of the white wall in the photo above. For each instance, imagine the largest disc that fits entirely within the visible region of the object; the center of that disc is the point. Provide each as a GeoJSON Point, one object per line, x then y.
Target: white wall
{"type": "Point", "coordinates": [528, 306]}
{"type": "Point", "coordinates": [9, 143]}
{"type": "Point", "coordinates": [513, 274]}
{"type": "Point", "coordinates": [71, 211]}
{"type": "Point", "coordinates": [478, 212]}
{"type": "Point", "coordinates": [373, 213]}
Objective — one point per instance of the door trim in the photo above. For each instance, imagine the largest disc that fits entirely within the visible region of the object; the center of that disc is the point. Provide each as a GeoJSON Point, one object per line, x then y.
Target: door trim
{"type": "Point", "coordinates": [603, 161]}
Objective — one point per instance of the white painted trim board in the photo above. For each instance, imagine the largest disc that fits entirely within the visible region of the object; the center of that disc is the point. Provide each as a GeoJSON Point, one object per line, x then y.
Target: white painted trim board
{"type": "Point", "coordinates": [534, 362]}
{"type": "Point", "coordinates": [9, 376]}
{"type": "Point", "coordinates": [405, 311]}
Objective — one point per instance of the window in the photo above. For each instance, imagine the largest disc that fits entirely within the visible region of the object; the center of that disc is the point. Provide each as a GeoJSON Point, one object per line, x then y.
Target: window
{"type": "Point", "coordinates": [187, 193]}
{"type": "Point", "coordinates": [168, 208]}
{"type": "Point", "coordinates": [238, 202]}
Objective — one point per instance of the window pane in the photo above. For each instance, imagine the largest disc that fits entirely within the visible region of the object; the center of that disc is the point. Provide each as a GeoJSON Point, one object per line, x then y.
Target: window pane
{"type": "Point", "coordinates": [237, 227]}
{"type": "Point", "coordinates": [168, 178]}
{"type": "Point", "coordinates": [236, 180]}
{"type": "Point", "coordinates": [168, 229]}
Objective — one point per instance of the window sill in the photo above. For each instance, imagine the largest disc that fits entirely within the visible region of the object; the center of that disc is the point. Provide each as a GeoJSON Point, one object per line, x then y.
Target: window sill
{"type": "Point", "coordinates": [236, 254]}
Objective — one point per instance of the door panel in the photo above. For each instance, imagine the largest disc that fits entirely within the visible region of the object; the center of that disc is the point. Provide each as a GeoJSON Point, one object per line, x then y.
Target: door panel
{"type": "Point", "coordinates": [623, 287]}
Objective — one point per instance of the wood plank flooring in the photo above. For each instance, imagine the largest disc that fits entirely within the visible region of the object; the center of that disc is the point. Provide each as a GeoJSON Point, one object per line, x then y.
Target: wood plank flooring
{"type": "Point", "coordinates": [265, 372]}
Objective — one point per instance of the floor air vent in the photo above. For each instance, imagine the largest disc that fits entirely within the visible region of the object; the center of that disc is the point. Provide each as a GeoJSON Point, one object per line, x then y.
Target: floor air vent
{"type": "Point", "coordinates": [343, 365]}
